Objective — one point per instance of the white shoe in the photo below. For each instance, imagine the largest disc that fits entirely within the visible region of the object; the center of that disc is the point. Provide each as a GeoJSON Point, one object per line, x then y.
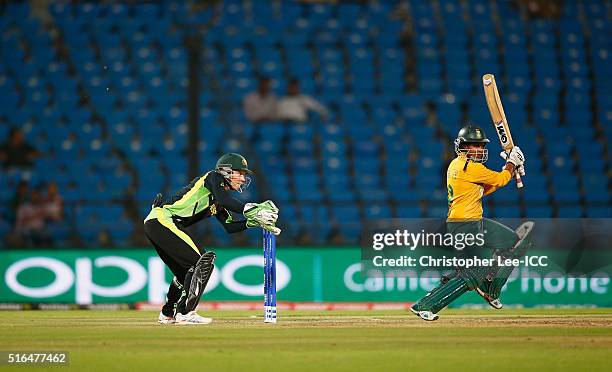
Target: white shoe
{"type": "Point", "coordinates": [494, 302]}
{"type": "Point", "coordinates": [191, 318]}
{"type": "Point", "coordinates": [425, 315]}
{"type": "Point", "coordinates": [163, 319]}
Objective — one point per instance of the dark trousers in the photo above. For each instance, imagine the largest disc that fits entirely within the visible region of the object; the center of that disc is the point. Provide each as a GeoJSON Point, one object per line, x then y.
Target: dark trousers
{"type": "Point", "coordinates": [176, 248]}
{"type": "Point", "coordinates": [496, 237]}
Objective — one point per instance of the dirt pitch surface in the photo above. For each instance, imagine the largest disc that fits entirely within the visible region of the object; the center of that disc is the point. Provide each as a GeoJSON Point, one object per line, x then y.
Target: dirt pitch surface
{"type": "Point", "coordinates": [478, 340]}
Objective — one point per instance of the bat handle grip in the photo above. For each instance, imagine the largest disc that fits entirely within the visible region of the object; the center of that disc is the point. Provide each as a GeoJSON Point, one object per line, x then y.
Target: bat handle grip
{"type": "Point", "coordinates": [519, 181]}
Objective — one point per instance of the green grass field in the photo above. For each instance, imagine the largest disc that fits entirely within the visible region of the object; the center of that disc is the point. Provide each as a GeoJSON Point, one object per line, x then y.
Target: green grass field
{"type": "Point", "coordinates": [480, 340]}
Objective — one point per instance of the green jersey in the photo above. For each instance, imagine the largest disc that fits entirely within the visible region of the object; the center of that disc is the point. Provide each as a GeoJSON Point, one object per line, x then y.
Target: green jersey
{"type": "Point", "coordinates": [204, 197]}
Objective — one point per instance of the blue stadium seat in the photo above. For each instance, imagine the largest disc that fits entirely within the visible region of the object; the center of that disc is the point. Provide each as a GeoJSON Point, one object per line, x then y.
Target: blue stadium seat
{"type": "Point", "coordinates": [507, 212]}
{"type": "Point", "coordinates": [599, 212]}
{"type": "Point", "coordinates": [539, 211]}
{"type": "Point", "coordinates": [121, 87]}
{"type": "Point", "coordinates": [570, 212]}
{"type": "Point", "coordinates": [376, 211]}
{"type": "Point", "coordinates": [346, 213]}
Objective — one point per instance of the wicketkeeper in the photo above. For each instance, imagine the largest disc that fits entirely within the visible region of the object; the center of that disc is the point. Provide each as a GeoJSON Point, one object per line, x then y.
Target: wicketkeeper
{"type": "Point", "coordinates": [468, 180]}
{"type": "Point", "coordinates": [206, 196]}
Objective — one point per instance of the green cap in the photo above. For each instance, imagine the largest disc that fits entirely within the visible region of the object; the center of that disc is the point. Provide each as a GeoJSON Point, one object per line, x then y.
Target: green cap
{"type": "Point", "coordinates": [234, 161]}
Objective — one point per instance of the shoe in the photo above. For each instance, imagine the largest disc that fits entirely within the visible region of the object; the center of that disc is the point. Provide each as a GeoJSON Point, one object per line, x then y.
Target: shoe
{"type": "Point", "coordinates": [494, 302]}
{"type": "Point", "coordinates": [163, 319]}
{"type": "Point", "coordinates": [191, 318]}
{"type": "Point", "coordinates": [524, 230]}
{"type": "Point", "coordinates": [425, 315]}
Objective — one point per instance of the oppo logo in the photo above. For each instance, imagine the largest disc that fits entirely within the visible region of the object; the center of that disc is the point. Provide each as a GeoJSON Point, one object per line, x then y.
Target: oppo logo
{"type": "Point", "coordinates": [82, 276]}
{"type": "Point", "coordinates": [503, 137]}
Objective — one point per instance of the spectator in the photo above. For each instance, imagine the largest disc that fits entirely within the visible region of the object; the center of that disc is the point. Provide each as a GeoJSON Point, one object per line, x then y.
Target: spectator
{"type": "Point", "coordinates": [295, 106]}
{"type": "Point", "coordinates": [30, 225]}
{"type": "Point", "coordinates": [53, 202]}
{"type": "Point", "coordinates": [16, 153]}
{"type": "Point", "coordinates": [260, 106]}
{"type": "Point", "coordinates": [104, 239]}
{"type": "Point", "coordinates": [21, 196]}
{"type": "Point", "coordinates": [542, 8]}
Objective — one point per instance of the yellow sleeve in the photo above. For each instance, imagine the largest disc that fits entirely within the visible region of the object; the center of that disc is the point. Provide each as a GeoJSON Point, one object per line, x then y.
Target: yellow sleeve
{"type": "Point", "coordinates": [488, 189]}
{"type": "Point", "coordinates": [482, 175]}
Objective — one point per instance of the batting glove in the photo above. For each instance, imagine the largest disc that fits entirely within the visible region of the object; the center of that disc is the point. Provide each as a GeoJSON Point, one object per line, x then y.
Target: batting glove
{"type": "Point", "coordinates": [520, 170]}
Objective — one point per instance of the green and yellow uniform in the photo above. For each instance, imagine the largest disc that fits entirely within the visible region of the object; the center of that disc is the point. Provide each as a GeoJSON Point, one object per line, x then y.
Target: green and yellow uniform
{"type": "Point", "coordinates": [195, 202]}
{"type": "Point", "coordinates": [467, 182]}
{"type": "Point", "coordinates": [165, 226]}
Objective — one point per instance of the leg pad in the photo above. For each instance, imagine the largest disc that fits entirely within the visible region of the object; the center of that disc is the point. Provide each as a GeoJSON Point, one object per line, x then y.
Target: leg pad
{"type": "Point", "coordinates": [196, 280]}
{"type": "Point", "coordinates": [443, 295]}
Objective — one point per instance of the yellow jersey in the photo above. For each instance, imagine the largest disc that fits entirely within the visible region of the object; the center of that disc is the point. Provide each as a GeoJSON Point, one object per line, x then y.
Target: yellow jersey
{"type": "Point", "coordinates": [467, 185]}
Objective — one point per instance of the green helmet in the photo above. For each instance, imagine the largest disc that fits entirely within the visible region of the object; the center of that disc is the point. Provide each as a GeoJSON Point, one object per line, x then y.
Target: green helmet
{"type": "Point", "coordinates": [233, 161]}
{"type": "Point", "coordinates": [472, 134]}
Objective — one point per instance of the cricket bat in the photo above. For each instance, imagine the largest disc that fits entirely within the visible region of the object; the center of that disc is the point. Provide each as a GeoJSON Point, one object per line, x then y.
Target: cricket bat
{"type": "Point", "coordinates": [499, 117]}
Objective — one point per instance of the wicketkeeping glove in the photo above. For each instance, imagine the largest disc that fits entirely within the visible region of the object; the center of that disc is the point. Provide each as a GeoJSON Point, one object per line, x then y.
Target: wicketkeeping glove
{"type": "Point", "coordinates": [158, 201]}
{"type": "Point", "coordinates": [265, 213]}
{"type": "Point", "coordinates": [272, 228]}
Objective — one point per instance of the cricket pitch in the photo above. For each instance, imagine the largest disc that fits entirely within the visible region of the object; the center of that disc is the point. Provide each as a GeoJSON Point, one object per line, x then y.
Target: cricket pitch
{"type": "Point", "coordinates": [389, 340]}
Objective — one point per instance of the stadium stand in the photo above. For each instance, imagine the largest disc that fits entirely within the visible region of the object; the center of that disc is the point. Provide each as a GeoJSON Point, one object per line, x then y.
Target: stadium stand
{"type": "Point", "coordinates": [101, 90]}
